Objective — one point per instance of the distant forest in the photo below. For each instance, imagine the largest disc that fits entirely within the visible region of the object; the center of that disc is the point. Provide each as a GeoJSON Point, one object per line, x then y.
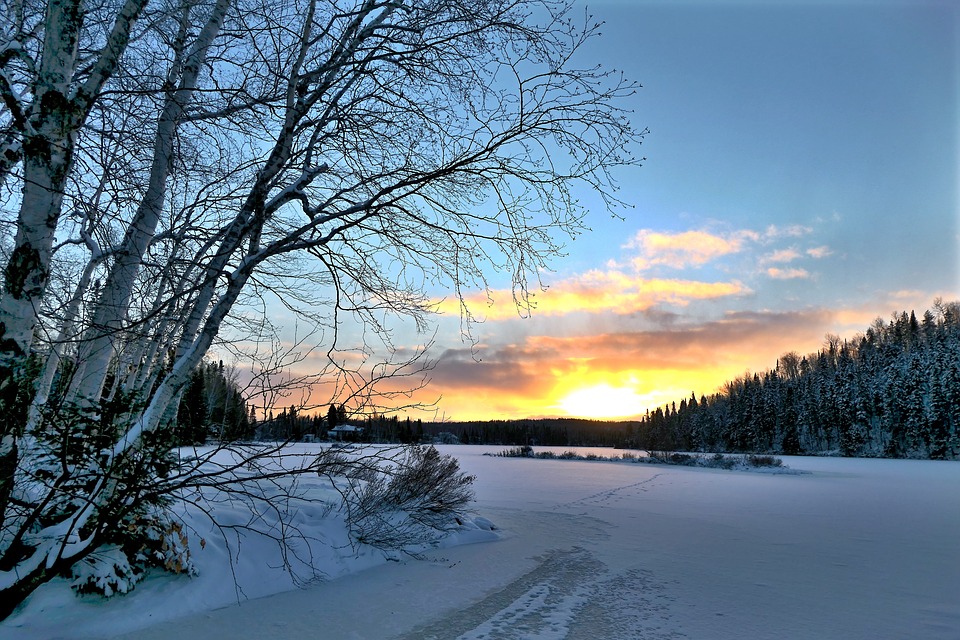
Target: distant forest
{"type": "Point", "coordinates": [893, 391]}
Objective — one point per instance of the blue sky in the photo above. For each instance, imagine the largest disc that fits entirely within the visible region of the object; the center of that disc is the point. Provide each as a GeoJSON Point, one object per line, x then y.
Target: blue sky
{"type": "Point", "coordinates": [840, 117]}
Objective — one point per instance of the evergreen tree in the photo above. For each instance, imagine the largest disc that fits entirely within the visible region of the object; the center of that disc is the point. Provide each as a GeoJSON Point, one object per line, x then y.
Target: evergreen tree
{"type": "Point", "coordinates": [192, 413]}
{"type": "Point", "coordinates": [333, 417]}
{"type": "Point", "coordinates": [213, 407]}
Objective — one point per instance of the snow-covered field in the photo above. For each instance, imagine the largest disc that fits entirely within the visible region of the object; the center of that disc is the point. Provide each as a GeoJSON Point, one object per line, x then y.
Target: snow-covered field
{"type": "Point", "coordinates": [849, 549]}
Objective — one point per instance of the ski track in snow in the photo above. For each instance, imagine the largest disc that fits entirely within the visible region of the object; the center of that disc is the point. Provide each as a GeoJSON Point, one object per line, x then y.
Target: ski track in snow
{"type": "Point", "coordinates": [569, 595]}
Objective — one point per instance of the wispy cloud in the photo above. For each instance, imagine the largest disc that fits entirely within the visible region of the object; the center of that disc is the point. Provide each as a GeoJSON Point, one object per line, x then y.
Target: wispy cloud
{"type": "Point", "coordinates": [696, 248]}
{"type": "Point", "coordinates": [685, 249]}
{"type": "Point", "coordinates": [788, 274]}
{"type": "Point", "coordinates": [790, 231]}
{"type": "Point", "coordinates": [596, 291]}
{"type": "Point", "coordinates": [638, 283]}
{"type": "Point", "coordinates": [780, 257]}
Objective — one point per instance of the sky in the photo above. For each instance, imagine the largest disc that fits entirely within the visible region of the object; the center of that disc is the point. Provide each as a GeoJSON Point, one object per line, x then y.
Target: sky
{"type": "Point", "coordinates": [800, 178]}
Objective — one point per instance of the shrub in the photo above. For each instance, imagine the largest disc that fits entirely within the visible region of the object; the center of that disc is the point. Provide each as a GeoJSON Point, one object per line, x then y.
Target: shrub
{"type": "Point", "coordinates": [763, 461]}
{"type": "Point", "coordinates": [720, 461]}
{"type": "Point", "coordinates": [106, 571]}
{"type": "Point", "coordinates": [148, 540]}
{"type": "Point", "coordinates": [414, 503]}
{"type": "Point", "coordinates": [525, 451]}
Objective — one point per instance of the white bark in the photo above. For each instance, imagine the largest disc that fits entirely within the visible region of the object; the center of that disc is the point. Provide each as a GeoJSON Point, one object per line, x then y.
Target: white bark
{"type": "Point", "coordinates": [55, 116]}
{"type": "Point", "coordinates": [98, 347]}
{"type": "Point", "coordinates": [54, 358]}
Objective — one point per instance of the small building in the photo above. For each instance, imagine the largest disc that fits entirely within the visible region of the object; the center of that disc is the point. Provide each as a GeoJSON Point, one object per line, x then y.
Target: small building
{"type": "Point", "coordinates": [345, 433]}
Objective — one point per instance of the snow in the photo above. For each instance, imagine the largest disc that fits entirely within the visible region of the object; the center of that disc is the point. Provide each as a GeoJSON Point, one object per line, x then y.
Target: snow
{"type": "Point", "coordinates": [852, 548]}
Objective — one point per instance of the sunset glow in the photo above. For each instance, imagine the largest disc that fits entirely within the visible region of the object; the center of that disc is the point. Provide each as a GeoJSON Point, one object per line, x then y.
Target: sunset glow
{"type": "Point", "coordinates": [603, 401]}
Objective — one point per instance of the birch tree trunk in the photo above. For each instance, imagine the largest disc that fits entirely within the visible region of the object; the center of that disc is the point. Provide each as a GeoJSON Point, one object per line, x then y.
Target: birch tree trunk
{"type": "Point", "coordinates": [50, 126]}
{"type": "Point", "coordinates": [98, 346]}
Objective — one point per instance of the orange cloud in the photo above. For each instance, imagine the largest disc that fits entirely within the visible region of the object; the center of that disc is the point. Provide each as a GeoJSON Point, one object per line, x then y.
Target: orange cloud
{"type": "Point", "coordinates": [625, 291]}
{"type": "Point", "coordinates": [596, 292]}
{"type": "Point", "coordinates": [621, 373]}
{"type": "Point", "coordinates": [698, 247]}
{"type": "Point", "coordinates": [858, 318]}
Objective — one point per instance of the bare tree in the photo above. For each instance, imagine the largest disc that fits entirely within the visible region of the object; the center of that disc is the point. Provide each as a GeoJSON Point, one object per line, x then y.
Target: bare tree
{"type": "Point", "coordinates": [240, 148]}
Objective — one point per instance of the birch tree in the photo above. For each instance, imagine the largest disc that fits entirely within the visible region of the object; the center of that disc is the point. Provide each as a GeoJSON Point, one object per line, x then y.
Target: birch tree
{"type": "Point", "coordinates": [369, 148]}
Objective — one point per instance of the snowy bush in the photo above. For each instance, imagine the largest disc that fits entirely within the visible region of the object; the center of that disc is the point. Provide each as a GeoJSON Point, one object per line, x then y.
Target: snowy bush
{"type": "Point", "coordinates": [714, 461]}
{"type": "Point", "coordinates": [106, 571]}
{"type": "Point", "coordinates": [410, 504]}
{"type": "Point", "coordinates": [763, 461]}
{"type": "Point", "coordinates": [525, 451]}
{"type": "Point", "coordinates": [720, 461]}
{"type": "Point", "coordinates": [147, 542]}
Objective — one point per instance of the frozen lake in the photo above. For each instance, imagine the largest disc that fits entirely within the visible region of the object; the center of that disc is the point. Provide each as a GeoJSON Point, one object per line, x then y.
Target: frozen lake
{"type": "Point", "coordinates": [851, 549]}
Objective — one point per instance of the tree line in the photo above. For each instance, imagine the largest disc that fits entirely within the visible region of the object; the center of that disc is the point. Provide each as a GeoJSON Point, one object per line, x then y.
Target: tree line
{"type": "Point", "coordinates": [213, 408]}
{"type": "Point", "coordinates": [548, 432]}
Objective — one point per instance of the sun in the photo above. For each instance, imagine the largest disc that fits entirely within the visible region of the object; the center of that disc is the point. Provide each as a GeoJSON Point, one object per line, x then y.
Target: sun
{"type": "Point", "coordinates": [603, 401]}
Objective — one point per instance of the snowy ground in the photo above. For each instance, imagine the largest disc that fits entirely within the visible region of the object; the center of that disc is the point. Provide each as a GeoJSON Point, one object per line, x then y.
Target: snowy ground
{"type": "Point", "coordinates": [852, 549]}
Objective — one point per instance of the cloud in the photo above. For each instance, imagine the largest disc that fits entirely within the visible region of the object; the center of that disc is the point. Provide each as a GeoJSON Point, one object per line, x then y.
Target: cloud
{"type": "Point", "coordinates": [742, 336]}
{"type": "Point", "coordinates": [790, 231]}
{"type": "Point", "coordinates": [596, 291]}
{"type": "Point", "coordinates": [626, 285]}
{"type": "Point", "coordinates": [780, 257]}
{"type": "Point", "coordinates": [685, 249]}
{"type": "Point", "coordinates": [547, 374]}
{"type": "Point", "coordinates": [696, 248]}
{"type": "Point", "coordinates": [820, 252]}
{"type": "Point", "coordinates": [788, 274]}
{"type": "Point", "coordinates": [886, 303]}
{"type": "Point", "coordinates": [506, 369]}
